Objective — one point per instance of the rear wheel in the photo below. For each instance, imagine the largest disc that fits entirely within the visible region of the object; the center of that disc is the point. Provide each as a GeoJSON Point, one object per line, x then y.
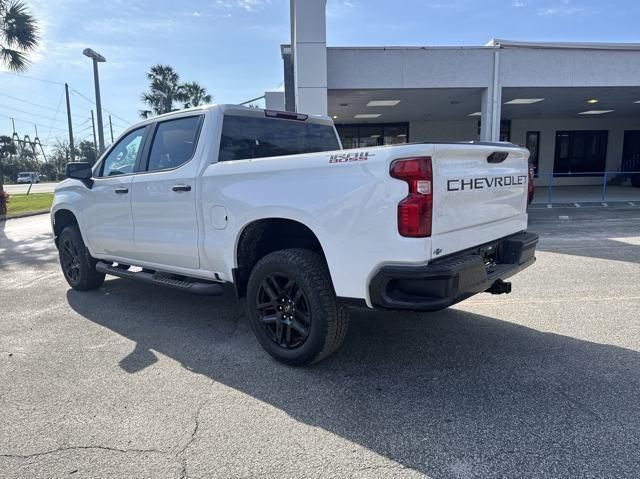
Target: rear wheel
{"type": "Point", "coordinates": [78, 267]}
{"type": "Point", "coordinates": [293, 309]}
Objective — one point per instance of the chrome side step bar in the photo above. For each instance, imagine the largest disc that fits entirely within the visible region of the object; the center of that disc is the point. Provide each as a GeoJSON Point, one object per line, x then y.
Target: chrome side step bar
{"type": "Point", "coordinates": [182, 283]}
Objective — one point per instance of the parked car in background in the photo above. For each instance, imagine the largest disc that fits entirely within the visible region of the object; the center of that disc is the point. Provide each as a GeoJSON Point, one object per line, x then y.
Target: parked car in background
{"type": "Point", "coordinates": [28, 177]}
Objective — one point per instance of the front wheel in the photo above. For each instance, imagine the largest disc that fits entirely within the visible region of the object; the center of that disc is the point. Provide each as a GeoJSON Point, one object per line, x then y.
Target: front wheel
{"type": "Point", "coordinates": [78, 267]}
{"type": "Point", "coordinates": [293, 309]}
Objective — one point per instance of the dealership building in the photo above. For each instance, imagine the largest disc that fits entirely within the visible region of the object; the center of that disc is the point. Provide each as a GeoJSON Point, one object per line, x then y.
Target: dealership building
{"type": "Point", "coordinates": [576, 106]}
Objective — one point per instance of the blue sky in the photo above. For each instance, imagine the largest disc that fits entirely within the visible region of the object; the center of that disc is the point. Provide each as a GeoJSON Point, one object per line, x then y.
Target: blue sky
{"type": "Point", "coordinates": [232, 46]}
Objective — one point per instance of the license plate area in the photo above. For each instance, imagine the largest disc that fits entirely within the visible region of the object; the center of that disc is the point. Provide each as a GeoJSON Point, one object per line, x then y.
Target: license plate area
{"type": "Point", "coordinates": [489, 255]}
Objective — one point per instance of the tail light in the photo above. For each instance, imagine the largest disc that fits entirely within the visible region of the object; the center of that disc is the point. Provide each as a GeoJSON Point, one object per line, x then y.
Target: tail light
{"type": "Point", "coordinates": [414, 211]}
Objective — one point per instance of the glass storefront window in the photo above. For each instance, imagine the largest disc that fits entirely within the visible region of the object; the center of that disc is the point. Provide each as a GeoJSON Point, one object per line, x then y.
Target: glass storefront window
{"type": "Point", "coordinates": [360, 136]}
{"type": "Point", "coordinates": [370, 136]}
{"type": "Point", "coordinates": [348, 136]}
{"type": "Point", "coordinates": [395, 135]}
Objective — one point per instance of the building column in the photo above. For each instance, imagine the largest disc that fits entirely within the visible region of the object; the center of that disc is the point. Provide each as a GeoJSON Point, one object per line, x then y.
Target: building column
{"type": "Point", "coordinates": [492, 104]}
{"type": "Point", "coordinates": [309, 52]}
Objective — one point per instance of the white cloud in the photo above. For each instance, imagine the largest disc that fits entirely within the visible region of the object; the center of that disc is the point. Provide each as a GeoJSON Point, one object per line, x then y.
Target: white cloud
{"type": "Point", "coordinates": [247, 5]}
{"type": "Point", "coordinates": [336, 8]}
{"type": "Point", "coordinates": [563, 8]}
{"type": "Point", "coordinates": [562, 11]}
{"type": "Point", "coordinates": [518, 3]}
{"type": "Point", "coordinates": [124, 26]}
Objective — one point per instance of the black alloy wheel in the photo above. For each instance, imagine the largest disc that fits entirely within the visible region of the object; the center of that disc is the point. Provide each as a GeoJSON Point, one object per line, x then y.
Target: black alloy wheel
{"type": "Point", "coordinates": [78, 266]}
{"type": "Point", "coordinates": [284, 311]}
{"type": "Point", "coordinates": [70, 259]}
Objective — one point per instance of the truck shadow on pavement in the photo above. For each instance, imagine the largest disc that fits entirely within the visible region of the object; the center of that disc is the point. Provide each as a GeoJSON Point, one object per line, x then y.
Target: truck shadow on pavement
{"type": "Point", "coordinates": [35, 253]}
{"type": "Point", "coordinates": [451, 394]}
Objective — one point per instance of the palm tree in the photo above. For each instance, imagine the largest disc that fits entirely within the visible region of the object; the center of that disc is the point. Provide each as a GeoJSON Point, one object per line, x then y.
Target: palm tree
{"type": "Point", "coordinates": [18, 37]}
{"type": "Point", "coordinates": [195, 94]}
{"type": "Point", "coordinates": [164, 90]}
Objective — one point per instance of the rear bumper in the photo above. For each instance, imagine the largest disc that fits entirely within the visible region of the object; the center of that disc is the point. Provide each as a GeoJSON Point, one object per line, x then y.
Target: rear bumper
{"type": "Point", "coordinates": [452, 279]}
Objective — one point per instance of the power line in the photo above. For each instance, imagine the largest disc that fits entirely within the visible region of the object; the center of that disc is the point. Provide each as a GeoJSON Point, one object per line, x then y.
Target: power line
{"type": "Point", "coordinates": [55, 116]}
{"type": "Point", "coordinates": [73, 90]}
{"type": "Point", "coordinates": [28, 122]}
{"type": "Point", "coordinates": [30, 113]}
{"type": "Point", "coordinates": [84, 129]}
{"type": "Point", "coordinates": [32, 78]}
{"type": "Point", "coordinates": [36, 104]}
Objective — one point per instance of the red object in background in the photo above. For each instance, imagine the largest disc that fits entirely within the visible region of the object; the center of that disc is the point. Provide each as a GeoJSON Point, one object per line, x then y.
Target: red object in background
{"type": "Point", "coordinates": [531, 187]}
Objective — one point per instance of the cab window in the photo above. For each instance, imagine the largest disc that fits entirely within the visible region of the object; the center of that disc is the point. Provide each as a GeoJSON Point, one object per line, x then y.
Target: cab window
{"type": "Point", "coordinates": [122, 158]}
{"type": "Point", "coordinates": [174, 143]}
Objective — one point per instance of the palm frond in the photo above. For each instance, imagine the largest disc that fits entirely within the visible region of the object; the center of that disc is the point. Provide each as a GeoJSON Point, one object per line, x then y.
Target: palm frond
{"type": "Point", "coordinates": [18, 28]}
{"type": "Point", "coordinates": [15, 60]}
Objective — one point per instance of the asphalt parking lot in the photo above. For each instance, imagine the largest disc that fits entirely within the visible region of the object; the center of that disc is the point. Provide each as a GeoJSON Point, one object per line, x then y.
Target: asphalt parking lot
{"type": "Point", "coordinates": [132, 381]}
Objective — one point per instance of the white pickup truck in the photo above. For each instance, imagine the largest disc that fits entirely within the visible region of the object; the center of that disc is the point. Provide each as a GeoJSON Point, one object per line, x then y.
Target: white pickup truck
{"type": "Point", "coordinates": [269, 202]}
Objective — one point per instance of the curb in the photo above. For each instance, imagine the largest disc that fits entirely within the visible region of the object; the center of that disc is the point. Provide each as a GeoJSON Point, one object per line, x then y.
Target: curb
{"type": "Point", "coordinates": [586, 204]}
{"type": "Point", "coordinates": [24, 215]}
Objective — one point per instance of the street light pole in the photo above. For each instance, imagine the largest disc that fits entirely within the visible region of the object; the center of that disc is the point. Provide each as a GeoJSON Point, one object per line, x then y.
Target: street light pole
{"type": "Point", "coordinates": [97, 58]}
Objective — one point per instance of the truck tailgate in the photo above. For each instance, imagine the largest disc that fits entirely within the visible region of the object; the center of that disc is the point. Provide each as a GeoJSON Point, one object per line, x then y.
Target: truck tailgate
{"type": "Point", "coordinates": [478, 195]}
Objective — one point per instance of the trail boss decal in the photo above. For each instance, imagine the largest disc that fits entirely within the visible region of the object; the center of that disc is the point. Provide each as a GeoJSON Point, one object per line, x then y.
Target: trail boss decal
{"type": "Point", "coordinates": [346, 157]}
{"type": "Point", "coordinates": [480, 183]}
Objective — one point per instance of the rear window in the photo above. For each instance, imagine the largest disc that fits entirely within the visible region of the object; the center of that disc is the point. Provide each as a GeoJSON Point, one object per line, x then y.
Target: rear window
{"type": "Point", "coordinates": [246, 137]}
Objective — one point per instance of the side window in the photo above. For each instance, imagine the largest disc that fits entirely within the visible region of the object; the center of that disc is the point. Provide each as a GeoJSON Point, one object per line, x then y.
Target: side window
{"type": "Point", "coordinates": [122, 158]}
{"type": "Point", "coordinates": [174, 143]}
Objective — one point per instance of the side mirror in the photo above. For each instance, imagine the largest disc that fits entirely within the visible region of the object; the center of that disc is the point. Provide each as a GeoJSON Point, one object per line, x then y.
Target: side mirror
{"type": "Point", "coordinates": [79, 170]}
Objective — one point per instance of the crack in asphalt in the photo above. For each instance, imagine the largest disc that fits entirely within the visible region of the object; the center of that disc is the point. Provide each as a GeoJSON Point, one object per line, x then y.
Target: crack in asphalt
{"type": "Point", "coordinates": [181, 455]}
{"type": "Point", "coordinates": [75, 448]}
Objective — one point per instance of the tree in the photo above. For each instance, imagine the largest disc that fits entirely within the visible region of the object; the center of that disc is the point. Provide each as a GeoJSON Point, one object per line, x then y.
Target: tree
{"type": "Point", "coordinates": [18, 37]}
{"type": "Point", "coordinates": [195, 94]}
{"type": "Point", "coordinates": [164, 90]}
{"type": "Point", "coordinates": [7, 149]}
{"type": "Point", "coordinates": [59, 157]}
{"type": "Point", "coordinates": [87, 151]}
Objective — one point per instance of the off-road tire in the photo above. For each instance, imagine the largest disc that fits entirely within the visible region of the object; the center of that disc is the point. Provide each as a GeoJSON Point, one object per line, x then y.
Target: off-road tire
{"type": "Point", "coordinates": [81, 274]}
{"type": "Point", "coordinates": [328, 320]}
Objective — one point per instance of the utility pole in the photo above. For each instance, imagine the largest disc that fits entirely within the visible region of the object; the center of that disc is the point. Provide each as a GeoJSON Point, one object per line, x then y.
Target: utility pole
{"type": "Point", "coordinates": [70, 126]}
{"type": "Point", "coordinates": [95, 144]}
{"type": "Point", "coordinates": [111, 128]}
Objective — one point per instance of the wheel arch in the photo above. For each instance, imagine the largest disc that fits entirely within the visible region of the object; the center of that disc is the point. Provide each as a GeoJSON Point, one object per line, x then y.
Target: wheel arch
{"type": "Point", "coordinates": [60, 219]}
{"type": "Point", "coordinates": [262, 236]}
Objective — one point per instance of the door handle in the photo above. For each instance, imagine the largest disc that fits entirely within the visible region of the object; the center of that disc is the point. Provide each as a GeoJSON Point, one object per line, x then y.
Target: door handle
{"type": "Point", "coordinates": [179, 188]}
{"type": "Point", "coordinates": [121, 191]}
